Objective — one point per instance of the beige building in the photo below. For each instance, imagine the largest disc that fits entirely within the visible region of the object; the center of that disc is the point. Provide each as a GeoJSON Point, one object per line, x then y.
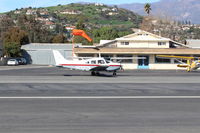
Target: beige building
{"type": "Point", "coordinates": [140, 44]}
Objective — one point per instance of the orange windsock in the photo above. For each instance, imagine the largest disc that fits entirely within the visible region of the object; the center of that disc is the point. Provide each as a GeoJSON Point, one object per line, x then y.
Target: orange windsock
{"type": "Point", "coordinates": [82, 33]}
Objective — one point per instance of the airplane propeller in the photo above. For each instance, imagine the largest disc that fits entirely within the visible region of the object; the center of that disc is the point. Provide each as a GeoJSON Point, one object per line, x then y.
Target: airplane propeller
{"type": "Point", "coordinates": [121, 67]}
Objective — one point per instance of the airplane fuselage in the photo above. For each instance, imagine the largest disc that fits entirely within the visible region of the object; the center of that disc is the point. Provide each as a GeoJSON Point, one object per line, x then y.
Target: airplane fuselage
{"type": "Point", "coordinates": [96, 64]}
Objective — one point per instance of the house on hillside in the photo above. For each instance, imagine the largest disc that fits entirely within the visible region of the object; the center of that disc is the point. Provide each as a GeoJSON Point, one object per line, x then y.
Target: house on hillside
{"type": "Point", "coordinates": [31, 12]}
{"type": "Point", "coordinates": [17, 12]}
{"type": "Point", "coordinates": [140, 44]}
{"type": "Point", "coordinates": [74, 12]}
{"type": "Point", "coordinates": [99, 4]}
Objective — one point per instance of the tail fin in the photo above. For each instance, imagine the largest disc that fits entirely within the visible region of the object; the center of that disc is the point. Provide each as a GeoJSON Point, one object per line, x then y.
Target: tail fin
{"type": "Point", "coordinates": [59, 59]}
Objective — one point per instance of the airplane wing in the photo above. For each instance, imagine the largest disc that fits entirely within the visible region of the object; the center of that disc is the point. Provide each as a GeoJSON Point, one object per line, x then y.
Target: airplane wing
{"type": "Point", "coordinates": [177, 57]}
{"type": "Point", "coordinates": [99, 68]}
{"type": "Point", "coordinates": [126, 58]}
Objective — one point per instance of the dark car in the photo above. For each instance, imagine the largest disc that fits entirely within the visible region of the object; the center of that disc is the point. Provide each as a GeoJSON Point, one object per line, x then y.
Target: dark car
{"type": "Point", "coordinates": [19, 60]}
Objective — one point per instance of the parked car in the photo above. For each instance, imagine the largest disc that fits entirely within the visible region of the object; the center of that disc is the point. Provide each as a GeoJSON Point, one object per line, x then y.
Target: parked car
{"type": "Point", "coordinates": [12, 62]}
{"type": "Point", "coordinates": [19, 60]}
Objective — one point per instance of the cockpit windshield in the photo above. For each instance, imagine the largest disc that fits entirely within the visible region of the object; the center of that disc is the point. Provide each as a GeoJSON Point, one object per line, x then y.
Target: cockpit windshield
{"type": "Point", "coordinates": [107, 61]}
{"type": "Point", "coordinates": [101, 62]}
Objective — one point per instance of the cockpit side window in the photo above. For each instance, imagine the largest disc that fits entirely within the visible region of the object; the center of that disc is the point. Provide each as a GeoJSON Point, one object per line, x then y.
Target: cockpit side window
{"type": "Point", "coordinates": [93, 62]}
{"type": "Point", "coordinates": [101, 62]}
{"type": "Point", "coordinates": [107, 61]}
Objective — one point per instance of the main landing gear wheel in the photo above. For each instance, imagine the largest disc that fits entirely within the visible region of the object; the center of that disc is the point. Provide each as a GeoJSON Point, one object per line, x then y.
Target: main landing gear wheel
{"type": "Point", "coordinates": [97, 73]}
{"type": "Point", "coordinates": [93, 73]}
{"type": "Point", "coordinates": [114, 73]}
{"type": "Point", "coordinates": [188, 69]}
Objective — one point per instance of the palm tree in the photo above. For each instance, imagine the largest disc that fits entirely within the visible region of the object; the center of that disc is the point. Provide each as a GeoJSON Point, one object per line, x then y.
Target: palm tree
{"type": "Point", "coordinates": [147, 8]}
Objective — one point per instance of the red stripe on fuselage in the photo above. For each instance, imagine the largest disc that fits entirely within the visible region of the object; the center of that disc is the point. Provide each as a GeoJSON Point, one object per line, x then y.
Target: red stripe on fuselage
{"type": "Point", "coordinates": [86, 65]}
{"type": "Point", "coordinates": [78, 65]}
{"type": "Point", "coordinates": [115, 65]}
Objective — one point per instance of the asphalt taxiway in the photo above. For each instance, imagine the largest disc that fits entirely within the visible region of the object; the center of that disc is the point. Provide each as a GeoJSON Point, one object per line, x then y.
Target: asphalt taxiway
{"type": "Point", "coordinates": [43, 99]}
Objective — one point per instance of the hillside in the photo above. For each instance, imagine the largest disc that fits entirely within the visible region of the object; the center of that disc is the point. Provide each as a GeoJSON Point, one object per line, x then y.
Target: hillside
{"type": "Point", "coordinates": [54, 24]}
{"type": "Point", "coordinates": [43, 24]}
{"type": "Point", "coordinates": [182, 10]}
{"type": "Point", "coordinates": [96, 14]}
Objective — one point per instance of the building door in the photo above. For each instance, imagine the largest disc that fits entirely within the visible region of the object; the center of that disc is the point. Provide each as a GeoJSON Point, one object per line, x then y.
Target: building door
{"type": "Point", "coordinates": [143, 63]}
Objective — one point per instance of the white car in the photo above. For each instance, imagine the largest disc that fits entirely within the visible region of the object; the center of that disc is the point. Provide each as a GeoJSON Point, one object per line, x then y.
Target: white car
{"type": "Point", "coordinates": [12, 62]}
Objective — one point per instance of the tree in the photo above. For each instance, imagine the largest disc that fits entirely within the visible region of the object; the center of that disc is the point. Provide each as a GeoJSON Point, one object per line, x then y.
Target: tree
{"type": "Point", "coordinates": [5, 23]}
{"type": "Point", "coordinates": [37, 32]}
{"type": "Point", "coordinates": [147, 24]}
{"type": "Point", "coordinates": [80, 25]}
{"type": "Point", "coordinates": [104, 33]}
{"type": "Point", "coordinates": [12, 49]}
{"type": "Point", "coordinates": [147, 8]}
{"type": "Point", "coordinates": [12, 41]}
{"type": "Point", "coordinates": [58, 39]}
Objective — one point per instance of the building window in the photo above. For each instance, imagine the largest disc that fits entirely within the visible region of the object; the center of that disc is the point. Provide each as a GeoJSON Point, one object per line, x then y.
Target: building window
{"type": "Point", "coordinates": [85, 55]}
{"type": "Point", "coordinates": [107, 56]}
{"type": "Point", "coordinates": [161, 43]}
{"type": "Point", "coordinates": [142, 34]}
{"type": "Point", "coordinates": [125, 58]}
{"type": "Point", "coordinates": [162, 60]}
{"type": "Point", "coordinates": [178, 61]}
{"type": "Point", "coordinates": [124, 43]}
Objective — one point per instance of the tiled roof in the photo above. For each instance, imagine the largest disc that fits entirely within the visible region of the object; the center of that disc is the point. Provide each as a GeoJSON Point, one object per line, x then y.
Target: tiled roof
{"type": "Point", "coordinates": [47, 46]}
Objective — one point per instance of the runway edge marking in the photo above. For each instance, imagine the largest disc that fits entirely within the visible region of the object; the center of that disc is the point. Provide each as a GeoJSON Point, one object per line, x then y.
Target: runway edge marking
{"type": "Point", "coordinates": [105, 97]}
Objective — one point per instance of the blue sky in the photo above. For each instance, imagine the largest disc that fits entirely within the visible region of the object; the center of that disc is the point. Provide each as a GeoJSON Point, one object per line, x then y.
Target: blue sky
{"type": "Point", "coordinates": [7, 5]}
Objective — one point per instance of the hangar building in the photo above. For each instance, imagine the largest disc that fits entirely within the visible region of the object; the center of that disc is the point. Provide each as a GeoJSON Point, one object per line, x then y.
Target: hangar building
{"type": "Point", "coordinates": [41, 53]}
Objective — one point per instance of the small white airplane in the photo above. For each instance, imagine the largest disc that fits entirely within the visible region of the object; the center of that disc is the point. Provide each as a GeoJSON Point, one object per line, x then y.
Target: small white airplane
{"type": "Point", "coordinates": [95, 65]}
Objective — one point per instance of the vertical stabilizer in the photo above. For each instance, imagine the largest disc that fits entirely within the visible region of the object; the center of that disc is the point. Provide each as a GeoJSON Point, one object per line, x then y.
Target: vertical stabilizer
{"type": "Point", "coordinates": [59, 59]}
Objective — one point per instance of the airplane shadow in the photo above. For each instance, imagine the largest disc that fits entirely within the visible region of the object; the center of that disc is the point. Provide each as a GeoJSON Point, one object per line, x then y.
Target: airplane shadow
{"type": "Point", "coordinates": [100, 75]}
